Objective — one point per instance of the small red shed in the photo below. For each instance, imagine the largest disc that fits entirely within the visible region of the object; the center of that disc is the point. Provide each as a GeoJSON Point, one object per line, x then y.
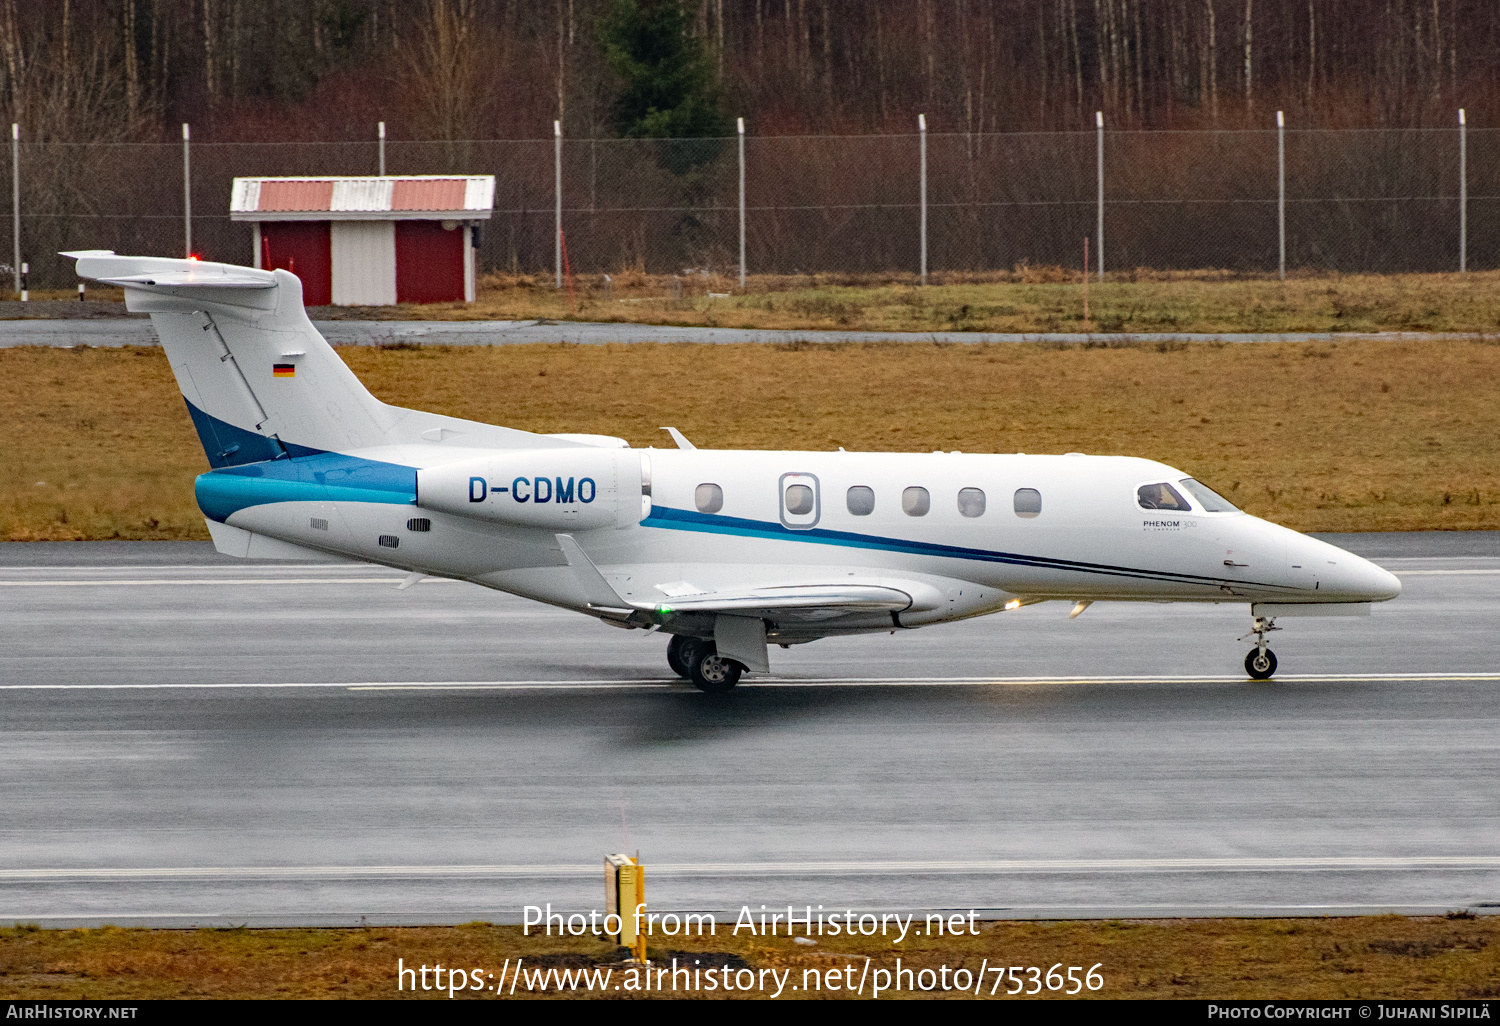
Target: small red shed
{"type": "Point", "coordinates": [369, 241]}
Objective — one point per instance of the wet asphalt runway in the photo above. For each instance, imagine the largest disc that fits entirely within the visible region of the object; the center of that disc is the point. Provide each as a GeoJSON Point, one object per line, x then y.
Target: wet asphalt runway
{"type": "Point", "coordinates": [190, 739]}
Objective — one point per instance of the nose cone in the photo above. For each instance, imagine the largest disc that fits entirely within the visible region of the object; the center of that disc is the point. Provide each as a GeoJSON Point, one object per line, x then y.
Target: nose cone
{"type": "Point", "coordinates": [1339, 575]}
{"type": "Point", "coordinates": [1363, 581]}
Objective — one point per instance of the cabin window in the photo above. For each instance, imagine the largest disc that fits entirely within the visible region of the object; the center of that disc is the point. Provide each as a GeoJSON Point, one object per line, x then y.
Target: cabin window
{"type": "Point", "coordinates": [861, 500]}
{"type": "Point", "coordinates": [801, 507]}
{"type": "Point", "coordinates": [799, 500]}
{"type": "Point", "coordinates": [419, 524]}
{"type": "Point", "coordinates": [971, 502]}
{"type": "Point", "coordinates": [390, 541]}
{"type": "Point", "coordinates": [1208, 500]}
{"type": "Point", "coordinates": [1028, 502]}
{"type": "Point", "coordinates": [709, 498]}
{"type": "Point", "coordinates": [1161, 496]}
{"type": "Point", "coordinates": [915, 502]}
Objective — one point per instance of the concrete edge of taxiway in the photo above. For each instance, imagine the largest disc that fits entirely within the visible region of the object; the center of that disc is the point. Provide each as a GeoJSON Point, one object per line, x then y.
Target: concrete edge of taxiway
{"type": "Point", "coordinates": [121, 331]}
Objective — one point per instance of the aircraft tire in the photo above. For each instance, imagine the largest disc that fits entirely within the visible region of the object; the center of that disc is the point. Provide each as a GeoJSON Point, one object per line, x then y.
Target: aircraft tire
{"type": "Point", "coordinates": [677, 650]}
{"type": "Point", "coordinates": [1260, 667]}
{"type": "Point", "coordinates": [709, 672]}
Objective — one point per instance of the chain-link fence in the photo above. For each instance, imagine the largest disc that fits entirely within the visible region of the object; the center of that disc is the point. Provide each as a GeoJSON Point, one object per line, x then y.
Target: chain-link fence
{"type": "Point", "coordinates": [1374, 200]}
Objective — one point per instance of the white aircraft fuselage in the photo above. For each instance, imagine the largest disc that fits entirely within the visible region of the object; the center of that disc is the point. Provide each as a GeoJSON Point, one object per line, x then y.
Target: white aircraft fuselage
{"type": "Point", "coordinates": [727, 550]}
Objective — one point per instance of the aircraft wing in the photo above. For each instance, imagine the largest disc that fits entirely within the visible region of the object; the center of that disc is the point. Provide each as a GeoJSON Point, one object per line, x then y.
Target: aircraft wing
{"type": "Point", "coordinates": [796, 602]}
{"type": "Point", "coordinates": [801, 600]}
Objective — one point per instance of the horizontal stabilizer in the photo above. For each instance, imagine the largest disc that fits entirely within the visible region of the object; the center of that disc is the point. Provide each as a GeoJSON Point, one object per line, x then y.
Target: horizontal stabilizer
{"type": "Point", "coordinates": [167, 272]}
{"type": "Point", "coordinates": [187, 279]}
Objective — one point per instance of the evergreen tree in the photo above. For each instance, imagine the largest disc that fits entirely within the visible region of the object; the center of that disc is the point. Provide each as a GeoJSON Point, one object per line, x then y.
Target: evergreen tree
{"type": "Point", "coordinates": [666, 76]}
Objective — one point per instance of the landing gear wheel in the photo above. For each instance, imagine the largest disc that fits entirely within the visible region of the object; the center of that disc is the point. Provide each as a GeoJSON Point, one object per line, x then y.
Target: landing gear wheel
{"type": "Point", "coordinates": [677, 650]}
{"type": "Point", "coordinates": [1260, 664]}
{"type": "Point", "coordinates": [710, 672]}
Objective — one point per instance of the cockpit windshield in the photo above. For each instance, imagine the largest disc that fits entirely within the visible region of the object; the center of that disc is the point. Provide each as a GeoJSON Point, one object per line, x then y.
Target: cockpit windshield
{"type": "Point", "coordinates": [1208, 500]}
{"type": "Point", "coordinates": [1161, 496]}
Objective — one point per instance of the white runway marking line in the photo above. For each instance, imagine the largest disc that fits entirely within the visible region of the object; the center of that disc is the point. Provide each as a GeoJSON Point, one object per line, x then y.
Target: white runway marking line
{"type": "Point", "coordinates": [682, 687]}
{"type": "Point", "coordinates": [1356, 863]}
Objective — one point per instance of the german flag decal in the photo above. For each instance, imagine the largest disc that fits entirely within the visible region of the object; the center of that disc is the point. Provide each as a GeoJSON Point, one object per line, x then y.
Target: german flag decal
{"type": "Point", "coordinates": [283, 370]}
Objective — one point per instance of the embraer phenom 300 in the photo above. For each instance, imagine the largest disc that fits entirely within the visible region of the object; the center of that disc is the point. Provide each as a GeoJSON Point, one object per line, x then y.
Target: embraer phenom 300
{"type": "Point", "coordinates": [726, 551]}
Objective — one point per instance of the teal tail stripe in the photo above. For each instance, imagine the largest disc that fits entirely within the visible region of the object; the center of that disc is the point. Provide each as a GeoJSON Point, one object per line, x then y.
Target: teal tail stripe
{"type": "Point", "coordinates": [327, 477]}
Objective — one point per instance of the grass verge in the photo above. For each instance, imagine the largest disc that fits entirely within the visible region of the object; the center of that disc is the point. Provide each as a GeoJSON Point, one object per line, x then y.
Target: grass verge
{"type": "Point", "coordinates": [1338, 436]}
{"type": "Point", "coordinates": [1028, 299]}
{"type": "Point", "coordinates": [1369, 957]}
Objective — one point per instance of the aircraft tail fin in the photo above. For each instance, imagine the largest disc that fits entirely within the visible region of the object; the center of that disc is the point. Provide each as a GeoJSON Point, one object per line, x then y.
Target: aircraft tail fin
{"type": "Point", "coordinates": [260, 380]}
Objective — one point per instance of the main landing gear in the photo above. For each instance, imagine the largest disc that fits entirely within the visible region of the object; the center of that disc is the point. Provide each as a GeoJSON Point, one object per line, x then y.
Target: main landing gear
{"type": "Point", "coordinates": [699, 661]}
{"type": "Point", "coordinates": [1260, 663]}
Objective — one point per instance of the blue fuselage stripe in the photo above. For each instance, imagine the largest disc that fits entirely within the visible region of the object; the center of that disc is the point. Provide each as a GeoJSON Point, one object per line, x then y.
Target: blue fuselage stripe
{"type": "Point", "coordinates": [672, 519]}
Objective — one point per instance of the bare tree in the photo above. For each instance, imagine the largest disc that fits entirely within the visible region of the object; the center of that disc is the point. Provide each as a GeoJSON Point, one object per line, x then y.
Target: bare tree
{"type": "Point", "coordinates": [1249, 42]}
{"type": "Point", "coordinates": [210, 33]}
{"type": "Point", "coordinates": [1211, 72]}
{"type": "Point", "coordinates": [132, 57]}
{"type": "Point", "coordinates": [15, 55]}
{"type": "Point", "coordinates": [1312, 51]}
{"type": "Point", "coordinates": [444, 72]}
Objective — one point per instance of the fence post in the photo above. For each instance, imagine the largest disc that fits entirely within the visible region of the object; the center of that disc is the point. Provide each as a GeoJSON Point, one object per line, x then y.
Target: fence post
{"type": "Point", "coordinates": [741, 126]}
{"type": "Point", "coordinates": [1463, 193]}
{"type": "Point", "coordinates": [1281, 188]}
{"type": "Point", "coordinates": [557, 196]}
{"type": "Point", "coordinates": [187, 197]}
{"type": "Point", "coordinates": [1099, 122]}
{"type": "Point", "coordinates": [381, 132]}
{"type": "Point", "coordinates": [922, 134]}
{"type": "Point", "coordinates": [15, 197]}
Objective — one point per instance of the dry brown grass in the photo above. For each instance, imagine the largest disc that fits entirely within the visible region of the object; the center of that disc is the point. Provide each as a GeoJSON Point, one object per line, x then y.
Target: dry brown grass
{"type": "Point", "coordinates": [1373, 957]}
{"type": "Point", "coordinates": [1339, 436]}
{"type": "Point", "coordinates": [1027, 299]}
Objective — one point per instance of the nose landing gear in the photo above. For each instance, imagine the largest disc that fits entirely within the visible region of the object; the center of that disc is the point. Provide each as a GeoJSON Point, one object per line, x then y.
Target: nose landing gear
{"type": "Point", "coordinates": [1260, 663]}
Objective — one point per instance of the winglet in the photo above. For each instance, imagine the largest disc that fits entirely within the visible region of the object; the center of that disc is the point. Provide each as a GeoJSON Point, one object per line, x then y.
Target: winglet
{"type": "Point", "coordinates": [677, 436]}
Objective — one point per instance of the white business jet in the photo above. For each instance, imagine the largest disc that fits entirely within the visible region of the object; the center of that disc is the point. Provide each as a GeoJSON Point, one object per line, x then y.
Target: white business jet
{"type": "Point", "coordinates": [727, 551]}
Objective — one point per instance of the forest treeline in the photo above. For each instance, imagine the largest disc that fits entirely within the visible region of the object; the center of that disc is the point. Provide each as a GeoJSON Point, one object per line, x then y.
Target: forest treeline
{"type": "Point", "coordinates": [451, 69]}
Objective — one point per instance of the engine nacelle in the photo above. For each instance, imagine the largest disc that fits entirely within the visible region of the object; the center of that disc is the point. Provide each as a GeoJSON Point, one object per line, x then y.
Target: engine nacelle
{"type": "Point", "coordinates": [572, 489]}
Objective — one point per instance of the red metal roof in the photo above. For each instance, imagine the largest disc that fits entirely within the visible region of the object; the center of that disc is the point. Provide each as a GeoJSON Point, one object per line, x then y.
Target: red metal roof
{"type": "Point", "coordinates": [398, 198]}
{"type": "Point", "coordinates": [426, 194]}
{"type": "Point", "coordinates": [294, 195]}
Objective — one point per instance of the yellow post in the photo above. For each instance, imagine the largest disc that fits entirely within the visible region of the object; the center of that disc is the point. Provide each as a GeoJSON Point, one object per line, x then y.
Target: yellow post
{"type": "Point", "coordinates": [624, 894]}
{"type": "Point", "coordinates": [640, 902]}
